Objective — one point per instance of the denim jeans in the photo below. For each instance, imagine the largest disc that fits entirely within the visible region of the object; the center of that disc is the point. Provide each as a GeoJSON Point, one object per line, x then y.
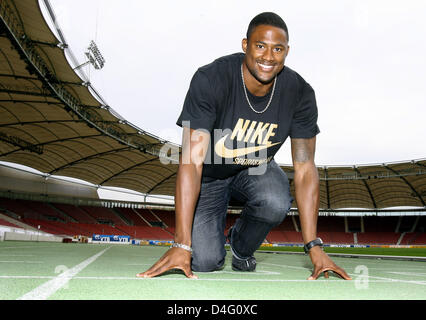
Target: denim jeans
{"type": "Point", "coordinates": [266, 198]}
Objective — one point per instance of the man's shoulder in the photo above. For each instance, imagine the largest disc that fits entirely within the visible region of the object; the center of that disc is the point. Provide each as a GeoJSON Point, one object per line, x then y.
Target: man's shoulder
{"type": "Point", "coordinates": [223, 64]}
{"type": "Point", "coordinates": [292, 75]}
{"type": "Point", "coordinates": [294, 81]}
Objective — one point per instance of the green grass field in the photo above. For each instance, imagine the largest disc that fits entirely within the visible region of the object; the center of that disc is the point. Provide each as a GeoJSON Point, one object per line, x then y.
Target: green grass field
{"type": "Point", "coordinates": [57, 271]}
{"type": "Point", "coordinates": [406, 252]}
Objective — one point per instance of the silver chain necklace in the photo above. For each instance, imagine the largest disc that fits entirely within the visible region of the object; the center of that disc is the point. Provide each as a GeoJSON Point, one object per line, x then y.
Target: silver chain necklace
{"type": "Point", "coordinates": [245, 91]}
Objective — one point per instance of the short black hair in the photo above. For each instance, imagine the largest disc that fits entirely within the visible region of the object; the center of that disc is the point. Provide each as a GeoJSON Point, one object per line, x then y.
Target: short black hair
{"type": "Point", "coordinates": [267, 18]}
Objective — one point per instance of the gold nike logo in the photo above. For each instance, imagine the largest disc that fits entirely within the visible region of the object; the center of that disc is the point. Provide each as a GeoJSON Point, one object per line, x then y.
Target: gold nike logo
{"type": "Point", "coordinates": [225, 152]}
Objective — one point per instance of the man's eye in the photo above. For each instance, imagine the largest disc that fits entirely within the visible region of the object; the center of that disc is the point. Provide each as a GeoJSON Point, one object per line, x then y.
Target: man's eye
{"type": "Point", "coordinates": [259, 46]}
{"type": "Point", "coordinates": [278, 49]}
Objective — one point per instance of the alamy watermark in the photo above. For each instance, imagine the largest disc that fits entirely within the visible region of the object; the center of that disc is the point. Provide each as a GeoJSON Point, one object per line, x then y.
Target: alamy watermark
{"type": "Point", "coordinates": [362, 278]}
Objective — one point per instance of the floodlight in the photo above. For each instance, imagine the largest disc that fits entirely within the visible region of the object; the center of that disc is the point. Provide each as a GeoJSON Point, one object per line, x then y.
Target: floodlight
{"type": "Point", "coordinates": [94, 57]}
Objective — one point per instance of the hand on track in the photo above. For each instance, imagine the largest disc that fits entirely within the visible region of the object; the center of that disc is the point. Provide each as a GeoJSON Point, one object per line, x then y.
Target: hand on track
{"type": "Point", "coordinates": [174, 258]}
{"type": "Point", "coordinates": [323, 263]}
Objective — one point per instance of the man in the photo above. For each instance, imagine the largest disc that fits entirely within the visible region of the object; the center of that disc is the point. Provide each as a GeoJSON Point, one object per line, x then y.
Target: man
{"type": "Point", "coordinates": [238, 112]}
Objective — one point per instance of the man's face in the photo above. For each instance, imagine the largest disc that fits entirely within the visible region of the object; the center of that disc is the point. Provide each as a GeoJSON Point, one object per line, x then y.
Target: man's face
{"type": "Point", "coordinates": [265, 51]}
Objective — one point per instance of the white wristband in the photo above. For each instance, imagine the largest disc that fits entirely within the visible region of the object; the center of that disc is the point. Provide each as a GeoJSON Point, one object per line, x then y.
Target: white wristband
{"type": "Point", "coordinates": [182, 246]}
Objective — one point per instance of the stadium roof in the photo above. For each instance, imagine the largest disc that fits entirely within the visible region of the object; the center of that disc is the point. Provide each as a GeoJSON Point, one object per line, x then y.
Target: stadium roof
{"type": "Point", "coordinates": [53, 120]}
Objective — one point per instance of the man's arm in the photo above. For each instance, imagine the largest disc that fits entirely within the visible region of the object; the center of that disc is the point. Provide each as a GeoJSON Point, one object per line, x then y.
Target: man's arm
{"type": "Point", "coordinates": [306, 182]}
{"type": "Point", "coordinates": [188, 182]}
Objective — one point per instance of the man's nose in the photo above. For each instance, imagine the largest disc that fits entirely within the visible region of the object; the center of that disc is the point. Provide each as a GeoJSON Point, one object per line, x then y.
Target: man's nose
{"type": "Point", "coordinates": [268, 55]}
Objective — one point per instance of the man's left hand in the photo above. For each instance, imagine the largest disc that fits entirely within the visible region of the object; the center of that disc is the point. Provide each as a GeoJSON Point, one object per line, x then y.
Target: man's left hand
{"type": "Point", "coordinates": [323, 263]}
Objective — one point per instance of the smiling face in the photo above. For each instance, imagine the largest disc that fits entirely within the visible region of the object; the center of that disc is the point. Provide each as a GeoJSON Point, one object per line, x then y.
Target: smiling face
{"type": "Point", "coordinates": [265, 51]}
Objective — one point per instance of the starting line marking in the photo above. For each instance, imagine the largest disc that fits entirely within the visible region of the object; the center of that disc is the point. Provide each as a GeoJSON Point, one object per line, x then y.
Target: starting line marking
{"type": "Point", "coordinates": [379, 280]}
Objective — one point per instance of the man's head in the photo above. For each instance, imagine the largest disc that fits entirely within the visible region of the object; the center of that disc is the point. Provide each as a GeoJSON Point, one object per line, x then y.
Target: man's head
{"type": "Point", "coordinates": [269, 19]}
{"type": "Point", "coordinates": [266, 46]}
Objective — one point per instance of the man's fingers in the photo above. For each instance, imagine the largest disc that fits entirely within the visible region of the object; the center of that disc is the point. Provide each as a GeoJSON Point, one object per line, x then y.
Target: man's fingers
{"type": "Point", "coordinates": [154, 270]}
{"type": "Point", "coordinates": [342, 273]}
{"type": "Point", "coordinates": [315, 274]}
{"type": "Point", "coordinates": [160, 270]}
{"type": "Point", "coordinates": [339, 271]}
{"type": "Point", "coordinates": [188, 273]}
{"type": "Point", "coordinates": [167, 263]}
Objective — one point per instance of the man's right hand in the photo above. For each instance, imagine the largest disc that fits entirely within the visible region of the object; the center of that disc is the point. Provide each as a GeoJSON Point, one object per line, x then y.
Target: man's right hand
{"type": "Point", "coordinates": [188, 181]}
{"type": "Point", "coordinates": [174, 258]}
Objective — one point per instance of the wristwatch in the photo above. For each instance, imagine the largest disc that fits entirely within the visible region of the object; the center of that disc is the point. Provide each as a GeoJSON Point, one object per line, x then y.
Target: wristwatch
{"type": "Point", "coordinates": [311, 244]}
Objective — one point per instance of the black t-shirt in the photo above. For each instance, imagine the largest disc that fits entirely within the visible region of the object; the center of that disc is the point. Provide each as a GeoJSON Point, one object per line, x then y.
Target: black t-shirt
{"type": "Point", "coordinates": [239, 137]}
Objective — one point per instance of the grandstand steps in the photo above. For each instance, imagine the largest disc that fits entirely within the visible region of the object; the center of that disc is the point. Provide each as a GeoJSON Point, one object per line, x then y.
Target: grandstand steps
{"type": "Point", "coordinates": [43, 211]}
{"type": "Point", "coordinates": [7, 224]}
{"type": "Point", "coordinates": [103, 215]}
{"type": "Point", "coordinates": [164, 220]}
{"type": "Point", "coordinates": [411, 238]}
{"type": "Point", "coordinates": [17, 223]}
{"type": "Point", "coordinates": [76, 213]}
{"type": "Point", "coordinates": [18, 207]}
{"type": "Point", "coordinates": [122, 217]}
{"type": "Point", "coordinates": [170, 232]}
{"type": "Point", "coordinates": [400, 238]}
{"type": "Point", "coordinates": [133, 216]}
{"type": "Point", "coordinates": [295, 225]}
{"type": "Point", "coordinates": [407, 224]}
{"type": "Point", "coordinates": [62, 213]}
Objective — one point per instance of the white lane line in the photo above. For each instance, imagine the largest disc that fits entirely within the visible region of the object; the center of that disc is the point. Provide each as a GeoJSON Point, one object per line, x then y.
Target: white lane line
{"type": "Point", "coordinates": [184, 279]}
{"type": "Point", "coordinates": [379, 279]}
{"type": "Point", "coordinates": [17, 255]}
{"type": "Point", "coordinates": [418, 274]}
{"type": "Point", "coordinates": [355, 275]}
{"type": "Point", "coordinates": [7, 261]}
{"type": "Point", "coordinates": [28, 247]}
{"type": "Point", "coordinates": [388, 279]}
{"type": "Point", "coordinates": [27, 277]}
{"type": "Point", "coordinates": [45, 290]}
{"type": "Point", "coordinates": [257, 273]}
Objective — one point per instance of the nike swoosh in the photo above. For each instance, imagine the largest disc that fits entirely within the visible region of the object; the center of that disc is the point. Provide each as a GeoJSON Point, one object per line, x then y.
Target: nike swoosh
{"type": "Point", "coordinates": [225, 152]}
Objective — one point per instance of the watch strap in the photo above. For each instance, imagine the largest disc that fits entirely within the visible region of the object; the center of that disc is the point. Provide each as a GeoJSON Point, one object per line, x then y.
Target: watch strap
{"type": "Point", "coordinates": [311, 244]}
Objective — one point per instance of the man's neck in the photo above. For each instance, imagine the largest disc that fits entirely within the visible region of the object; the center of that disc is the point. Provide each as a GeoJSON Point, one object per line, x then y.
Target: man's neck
{"type": "Point", "coordinates": [253, 85]}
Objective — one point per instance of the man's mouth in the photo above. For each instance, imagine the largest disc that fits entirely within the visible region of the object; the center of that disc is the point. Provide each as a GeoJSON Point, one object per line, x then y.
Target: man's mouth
{"type": "Point", "coordinates": [266, 67]}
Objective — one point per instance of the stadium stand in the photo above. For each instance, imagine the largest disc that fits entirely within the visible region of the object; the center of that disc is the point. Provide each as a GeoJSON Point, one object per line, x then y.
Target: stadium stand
{"type": "Point", "coordinates": [103, 215]}
{"type": "Point", "coordinates": [75, 213]}
{"type": "Point", "coordinates": [354, 224]}
{"type": "Point", "coordinates": [378, 237]}
{"type": "Point", "coordinates": [148, 224]}
{"type": "Point", "coordinates": [134, 217]}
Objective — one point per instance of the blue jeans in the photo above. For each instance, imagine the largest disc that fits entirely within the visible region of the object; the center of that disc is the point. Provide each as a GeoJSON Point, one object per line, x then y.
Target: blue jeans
{"type": "Point", "coordinates": [266, 198]}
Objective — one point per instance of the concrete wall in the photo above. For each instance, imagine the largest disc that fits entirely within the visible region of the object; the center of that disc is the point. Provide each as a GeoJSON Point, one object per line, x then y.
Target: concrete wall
{"type": "Point", "coordinates": [13, 236]}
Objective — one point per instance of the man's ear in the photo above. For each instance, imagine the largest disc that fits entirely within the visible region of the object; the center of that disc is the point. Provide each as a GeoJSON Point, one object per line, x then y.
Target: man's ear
{"type": "Point", "coordinates": [244, 45]}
